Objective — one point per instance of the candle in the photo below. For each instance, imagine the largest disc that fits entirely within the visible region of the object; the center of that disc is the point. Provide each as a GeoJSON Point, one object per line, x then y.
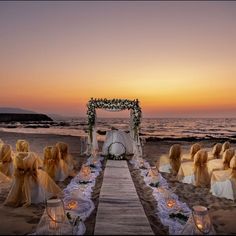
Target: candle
{"type": "Point", "coordinates": [170, 203]}
{"type": "Point", "coordinates": [200, 226]}
{"type": "Point", "coordinates": [53, 223]}
{"type": "Point", "coordinates": [201, 219]}
{"type": "Point", "coordinates": [86, 171]}
{"type": "Point", "coordinates": [72, 205]}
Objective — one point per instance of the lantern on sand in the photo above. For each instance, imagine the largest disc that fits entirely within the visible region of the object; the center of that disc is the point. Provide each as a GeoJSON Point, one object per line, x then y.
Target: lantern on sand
{"type": "Point", "coordinates": [201, 219]}
{"type": "Point", "coordinates": [54, 221]}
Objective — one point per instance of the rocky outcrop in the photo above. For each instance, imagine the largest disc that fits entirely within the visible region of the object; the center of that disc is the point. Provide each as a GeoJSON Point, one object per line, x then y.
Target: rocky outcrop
{"type": "Point", "coordinates": [9, 117]}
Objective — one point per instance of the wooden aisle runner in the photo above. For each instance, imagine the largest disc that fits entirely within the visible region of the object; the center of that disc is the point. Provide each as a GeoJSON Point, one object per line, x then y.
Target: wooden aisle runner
{"type": "Point", "coordinates": [120, 210]}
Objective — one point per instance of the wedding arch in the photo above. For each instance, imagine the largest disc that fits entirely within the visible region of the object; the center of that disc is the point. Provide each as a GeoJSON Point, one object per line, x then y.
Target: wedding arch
{"type": "Point", "coordinates": [112, 105]}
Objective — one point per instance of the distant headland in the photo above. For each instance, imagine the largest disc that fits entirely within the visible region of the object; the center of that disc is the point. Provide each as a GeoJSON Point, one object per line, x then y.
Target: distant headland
{"type": "Point", "coordinates": [8, 114]}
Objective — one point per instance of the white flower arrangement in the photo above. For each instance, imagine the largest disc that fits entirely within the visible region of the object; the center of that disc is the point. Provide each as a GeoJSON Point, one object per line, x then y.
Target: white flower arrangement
{"type": "Point", "coordinates": [114, 104]}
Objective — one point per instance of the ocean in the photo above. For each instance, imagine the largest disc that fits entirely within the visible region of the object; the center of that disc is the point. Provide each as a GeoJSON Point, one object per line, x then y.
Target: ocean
{"type": "Point", "coordinates": [151, 128]}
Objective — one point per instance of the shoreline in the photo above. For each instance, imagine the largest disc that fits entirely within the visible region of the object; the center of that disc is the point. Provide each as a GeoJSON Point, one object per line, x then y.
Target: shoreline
{"type": "Point", "coordinates": [101, 137]}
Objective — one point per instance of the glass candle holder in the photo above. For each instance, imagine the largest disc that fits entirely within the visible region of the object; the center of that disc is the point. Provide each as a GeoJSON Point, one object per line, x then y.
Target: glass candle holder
{"type": "Point", "coordinates": [201, 219]}
{"type": "Point", "coordinates": [170, 203]}
{"type": "Point", "coordinates": [54, 220]}
{"type": "Point", "coordinates": [85, 172]}
{"type": "Point", "coordinates": [72, 205]}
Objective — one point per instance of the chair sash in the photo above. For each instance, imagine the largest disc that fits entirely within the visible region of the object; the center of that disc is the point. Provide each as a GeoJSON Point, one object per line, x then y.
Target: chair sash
{"type": "Point", "coordinates": [22, 145]}
{"type": "Point", "coordinates": [4, 179]}
{"type": "Point", "coordinates": [226, 145]}
{"type": "Point", "coordinates": [194, 149]}
{"type": "Point", "coordinates": [24, 173]}
{"type": "Point", "coordinates": [1, 143]}
{"type": "Point", "coordinates": [175, 158]}
{"type": "Point", "coordinates": [63, 147]}
{"type": "Point", "coordinates": [217, 150]}
{"type": "Point", "coordinates": [6, 161]}
{"type": "Point", "coordinates": [28, 179]}
{"type": "Point", "coordinates": [51, 167]}
{"type": "Point", "coordinates": [233, 167]}
{"type": "Point", "coordinates": [200, 169]}
{"type": "Point", "coordinates": [51, 160]}
{"type": "Point", "coordinates": [227, 156]}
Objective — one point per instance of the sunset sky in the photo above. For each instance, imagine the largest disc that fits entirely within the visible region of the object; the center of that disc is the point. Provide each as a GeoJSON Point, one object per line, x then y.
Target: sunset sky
{"type": "Point", "coordinates": [177, 58]}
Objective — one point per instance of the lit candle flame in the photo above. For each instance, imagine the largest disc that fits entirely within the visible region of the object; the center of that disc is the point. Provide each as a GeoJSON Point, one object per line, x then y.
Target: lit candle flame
{"type": "Point", "coordinates": [53, 223]}
{"type": "Point", "coordinates": [170, 203]}
{"type": "Point", "coordinates": [200, 226]}
{"type": "Point", "coordinates": [72, 205]}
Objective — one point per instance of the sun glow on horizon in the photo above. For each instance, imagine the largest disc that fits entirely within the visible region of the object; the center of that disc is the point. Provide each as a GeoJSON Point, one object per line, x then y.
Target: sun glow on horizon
{"type": "Point", "coordinates": [175, 57]}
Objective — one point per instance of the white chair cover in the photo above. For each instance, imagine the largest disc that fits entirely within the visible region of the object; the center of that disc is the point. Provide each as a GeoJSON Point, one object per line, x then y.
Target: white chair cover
{"type": "Point", "coordinates": [223, 182]}
{"type": "Point", "coordinates": [221, 164]}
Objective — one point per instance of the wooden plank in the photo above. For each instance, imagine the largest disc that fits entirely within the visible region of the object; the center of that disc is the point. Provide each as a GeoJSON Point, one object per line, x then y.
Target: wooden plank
{"type": "Point", "coordinates": [120, 210]}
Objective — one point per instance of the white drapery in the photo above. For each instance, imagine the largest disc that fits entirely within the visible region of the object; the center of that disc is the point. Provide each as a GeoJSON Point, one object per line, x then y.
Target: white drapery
{"type": "Point", "coordinates": [117, 143]}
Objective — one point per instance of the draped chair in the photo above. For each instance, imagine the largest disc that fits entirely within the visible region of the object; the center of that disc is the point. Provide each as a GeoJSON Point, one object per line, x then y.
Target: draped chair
{"type": "Point", "coordinates": [22, 145]}
{"type": "Point", "coordinates": [65, 156]}
{"type": "Point", "coordinates": [1, 143]}
{"type": "Point", "coordinates": [53, 164]}
{"type": "Point", "coordinates": [221, 164]}
{"type": "Point", "coordinates": [6, 160]}
{"type": "Point", "coordinates": [193, 150]}
{"type": "Point", "coordinates": [171, 163]}
{"type": "Point", "coordinates": [223, 182]}
{"type": "Point", "coordinates": [31, 185]}
{"type": "Point", "coordinates": [195, 172]}
{"type": "Point", "coordinates": [226, 145]}
{"type": "Point", "coordinates": [5, 182]}
{"type": "Point", "coordinates": [216, 152]}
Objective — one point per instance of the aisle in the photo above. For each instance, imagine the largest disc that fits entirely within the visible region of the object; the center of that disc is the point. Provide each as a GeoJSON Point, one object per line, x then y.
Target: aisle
{"type": "Point", "coordinates": [119, 209]}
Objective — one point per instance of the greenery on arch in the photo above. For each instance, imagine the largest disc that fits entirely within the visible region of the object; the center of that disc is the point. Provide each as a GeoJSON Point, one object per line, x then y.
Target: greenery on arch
{"type": "Point", "coordinates": [114, 105]}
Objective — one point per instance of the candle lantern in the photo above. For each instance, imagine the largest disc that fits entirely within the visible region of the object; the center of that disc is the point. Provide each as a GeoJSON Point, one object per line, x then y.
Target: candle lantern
{"type": "Point", "coordinates": [95, 153]}
{"type": "Point", "coordinates": [85, 173]}
{"type": "Point", "coordinates": [169, 199]}
{"type": "Point", "coordinates": [170, 203]}
{"type": "Point", "coordinates": [141, 163]}
{"type": "Point", "coordinates": [54, 220]}
{"type": "Point", "coordinates": [154, 174]}
{"type": "Point", "coordinates": [72, 205]}
{"type": "Point", "coordinates": [201, 219]}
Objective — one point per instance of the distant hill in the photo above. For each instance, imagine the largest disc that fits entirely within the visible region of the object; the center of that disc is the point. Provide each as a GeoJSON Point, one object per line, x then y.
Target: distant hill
{"type": "Point", "coordinates": [10, 117]}
{"type": "Point", "coordinates": [14, 110]}
{"type": "Point", "coordinates": [10, 114]}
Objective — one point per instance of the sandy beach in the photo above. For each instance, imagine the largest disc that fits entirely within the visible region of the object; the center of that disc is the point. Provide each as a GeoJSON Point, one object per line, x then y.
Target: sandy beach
{"type": "Point", "coordinates": [21, 221]}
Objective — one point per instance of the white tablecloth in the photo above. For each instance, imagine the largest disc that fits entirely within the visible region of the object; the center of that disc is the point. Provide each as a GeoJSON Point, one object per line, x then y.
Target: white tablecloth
{"type": "Point", "coordinates": [119, 142]}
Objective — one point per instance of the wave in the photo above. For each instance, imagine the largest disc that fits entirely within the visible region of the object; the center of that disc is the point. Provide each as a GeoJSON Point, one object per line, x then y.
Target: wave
{"type": "Point", "coordinates": [152, 129]}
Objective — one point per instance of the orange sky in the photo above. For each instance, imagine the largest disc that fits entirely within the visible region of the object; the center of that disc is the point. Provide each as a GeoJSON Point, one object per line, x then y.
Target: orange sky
{"type": "Point", "coordinates": [177, 58]}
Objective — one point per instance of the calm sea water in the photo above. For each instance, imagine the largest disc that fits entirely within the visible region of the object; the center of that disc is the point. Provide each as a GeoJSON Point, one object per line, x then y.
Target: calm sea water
{"type": "Point", "coordinates": [204, 128]}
